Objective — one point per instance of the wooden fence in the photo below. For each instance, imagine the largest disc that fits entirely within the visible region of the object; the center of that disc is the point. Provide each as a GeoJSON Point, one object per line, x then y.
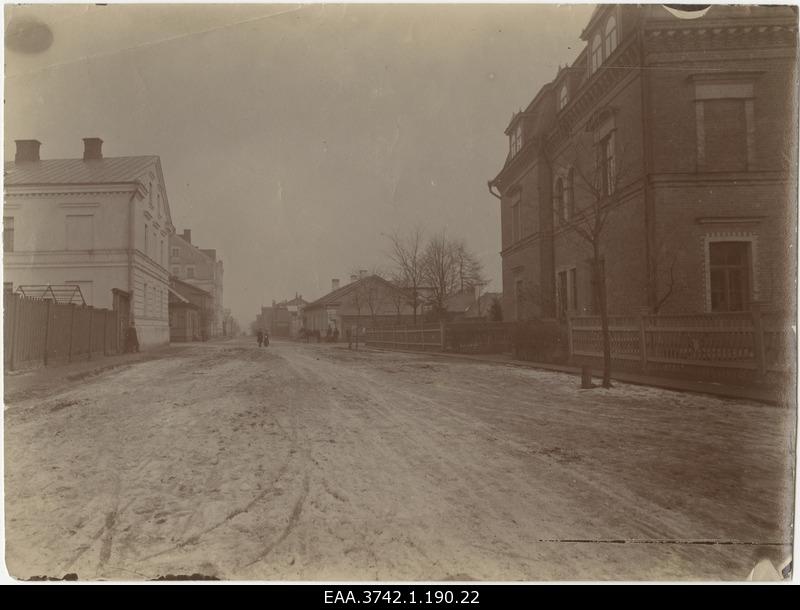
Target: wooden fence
{"type": "Point", "coordinates": [468, 337]}
{"type": "Point", "coordinates": [747, 346]}
{"type": "Point", "coordinates": [39, 331]}
{"type": "Point", "coordinates": [427, 337]}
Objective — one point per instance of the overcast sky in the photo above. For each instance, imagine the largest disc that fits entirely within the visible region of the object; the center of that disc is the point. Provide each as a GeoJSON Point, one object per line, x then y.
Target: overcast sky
{"type": "Point", "coordinates": [293, 138]}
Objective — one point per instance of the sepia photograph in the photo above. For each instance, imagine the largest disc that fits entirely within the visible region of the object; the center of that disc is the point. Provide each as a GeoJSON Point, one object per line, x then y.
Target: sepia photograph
{"type": "Point", "coordinates": [440, 295]}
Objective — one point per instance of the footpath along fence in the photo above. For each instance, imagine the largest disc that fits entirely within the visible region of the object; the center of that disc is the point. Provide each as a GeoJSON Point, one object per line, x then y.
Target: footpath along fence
{"type": "Point", "coordinates": [39, 331]}
{"type": "Point", "coordinates": [746, 347]}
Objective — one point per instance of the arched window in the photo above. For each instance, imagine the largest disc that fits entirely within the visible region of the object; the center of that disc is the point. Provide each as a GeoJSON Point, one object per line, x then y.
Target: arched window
{"type": "Point", "coordinates": [569, 196]}
{"type": "Point", "coordinates": [558, 197]}
{"type": "Point", "coordinates": [563, 97]}
{"type": "Point", "coordinates": [611, 36]}
{"type": "Point", "coordinates": [597, 53]}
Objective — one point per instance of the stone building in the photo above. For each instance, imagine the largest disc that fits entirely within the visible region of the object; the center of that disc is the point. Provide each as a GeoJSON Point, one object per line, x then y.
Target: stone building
{"type": "Point", "coordinates": [680, 133]}
{"type": "Point", "coordinates": [100, 223]}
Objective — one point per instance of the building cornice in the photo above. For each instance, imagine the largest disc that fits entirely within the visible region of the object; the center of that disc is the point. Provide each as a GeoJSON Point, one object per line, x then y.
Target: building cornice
{"type": "Point", "coordinates": [40, 191]}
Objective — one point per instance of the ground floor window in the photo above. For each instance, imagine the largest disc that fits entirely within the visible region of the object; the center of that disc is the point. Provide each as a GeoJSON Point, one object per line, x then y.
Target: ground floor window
{"type": "Point", "coordinates": [729, 275]}
{"type": "Point", "coordinates": [519, 298]}
{"type": "Point", "coordinates": [567, 292]}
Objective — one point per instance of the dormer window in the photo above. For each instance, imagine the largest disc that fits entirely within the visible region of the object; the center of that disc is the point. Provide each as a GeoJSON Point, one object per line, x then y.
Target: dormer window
{"type": "Point", "coordinates": [516, 140]}
{"type": "Point", "coordinates": [597, 54]}
{"type": "Point", "coordinates": [611, 36]}
{"type": "Point", "coordinates": [563, 97]}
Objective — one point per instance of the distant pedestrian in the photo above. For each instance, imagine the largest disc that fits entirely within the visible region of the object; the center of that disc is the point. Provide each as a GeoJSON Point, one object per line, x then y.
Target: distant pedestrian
{"type": "Point", "coordinates": [266, 339]}
{"type": "Point", "coordinates": [260, 338]}
{"type": "Point", "coordinates": [349, 335]}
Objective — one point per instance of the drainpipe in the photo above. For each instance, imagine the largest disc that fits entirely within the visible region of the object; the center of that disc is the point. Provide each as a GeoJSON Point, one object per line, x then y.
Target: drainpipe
{"type": "Point", "coordinates": [651, 269]}
{"type": "Point", "coordinates": [131, 235]}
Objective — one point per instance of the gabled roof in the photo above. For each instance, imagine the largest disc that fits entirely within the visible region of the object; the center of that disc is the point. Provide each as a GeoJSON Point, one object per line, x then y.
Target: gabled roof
{"type": "Point", "coordinates": [335, 296]}
{"type": "Point", "coordinates": [110, 170]}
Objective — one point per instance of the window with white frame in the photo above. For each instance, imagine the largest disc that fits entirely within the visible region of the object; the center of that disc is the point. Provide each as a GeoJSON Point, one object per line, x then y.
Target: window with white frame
{"type": "Point", "coordinates": [610, 36]}
{"type": "Point", "coordinates": [729, 275]}
{"type": "Point", "coordinates": [176, 252]}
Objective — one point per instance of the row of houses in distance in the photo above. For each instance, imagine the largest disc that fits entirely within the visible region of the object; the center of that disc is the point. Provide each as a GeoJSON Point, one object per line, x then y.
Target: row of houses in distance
{"type": "Point", "coordinates": [103, 224]}
{"type": "Point", "coordinates": [366, 301]}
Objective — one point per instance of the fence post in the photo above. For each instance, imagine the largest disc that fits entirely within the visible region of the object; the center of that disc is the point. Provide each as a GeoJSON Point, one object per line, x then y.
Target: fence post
{"type": "Point", "coordinates": [105, 331]}
{"type": "Point", "coordinates": [47, 332]}
{"type": "Point", "coordinates": [14, 330]}
{"type": "Point", "coordinates": [758, 339]}
{"type": "Point", "coordinates": [71, 330]}
{"type": "Point", "coordinates": [91, 323]}
{"type": "Point", "coordinates": [643, 312]}
{"type": "Point", "coordinates": [570, 346]}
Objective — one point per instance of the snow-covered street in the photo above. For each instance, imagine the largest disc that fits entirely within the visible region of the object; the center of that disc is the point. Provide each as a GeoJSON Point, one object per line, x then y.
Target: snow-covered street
{"type": "Point", "coordinates": [312, 462]}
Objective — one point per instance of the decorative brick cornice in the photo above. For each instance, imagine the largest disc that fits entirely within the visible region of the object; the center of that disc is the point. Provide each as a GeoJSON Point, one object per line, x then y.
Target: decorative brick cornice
{"type": "Point", "coordinates": [587, 99]}
{"type": "Point", "coordinates": [721, 35]}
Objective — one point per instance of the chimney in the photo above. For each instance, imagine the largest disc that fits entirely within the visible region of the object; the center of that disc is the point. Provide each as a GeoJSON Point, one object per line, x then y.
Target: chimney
{"type": "Point", "coordinates": [353, 278]}
{"type": "Point", "coordinates": [334, 284]}
{"type": "Point", "coordinates": [27, 150]}
{"type": "Point", "coordinates": [92, 149]}
{"type": "Point", "coordinates": [187, 235]}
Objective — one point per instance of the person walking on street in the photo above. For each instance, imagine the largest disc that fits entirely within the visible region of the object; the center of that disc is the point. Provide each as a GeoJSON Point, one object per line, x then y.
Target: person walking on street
{"type": "Point", "coordinates": [260, 337]}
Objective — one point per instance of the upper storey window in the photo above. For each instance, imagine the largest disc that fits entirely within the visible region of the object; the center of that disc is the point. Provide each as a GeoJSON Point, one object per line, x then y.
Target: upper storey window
{"type": "Point", "coordinates": [597, 53]}
{"type": "Point", "coordinates": [611, 36]}
{"type": "Point", "coordinates": [516, 140]}
{"type": "Point", "coordinates": [563, 97]}
{"type": "Point", "coordinates": [603, 44]}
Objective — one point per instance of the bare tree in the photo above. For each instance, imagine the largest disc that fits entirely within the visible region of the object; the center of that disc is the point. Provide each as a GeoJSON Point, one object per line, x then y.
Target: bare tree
{"type": "Point", "coordinates": [583, 207]}
{"type": "Point", "coordinates": [448, 267]}
{"type": "Point", "coordinates": [407, 257]}
{"type": "Point", "coordinates": [470, 269]}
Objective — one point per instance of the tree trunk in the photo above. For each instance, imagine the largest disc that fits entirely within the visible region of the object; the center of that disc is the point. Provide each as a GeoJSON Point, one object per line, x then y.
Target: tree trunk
{"type": "Point", "coordinates": [600, 282]}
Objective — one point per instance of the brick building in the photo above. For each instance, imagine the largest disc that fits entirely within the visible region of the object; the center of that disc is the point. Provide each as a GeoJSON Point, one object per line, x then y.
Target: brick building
{"type": "Point", "coordinates": [199, 267]}
{"type": "Point", "coordinates": [682, 129]}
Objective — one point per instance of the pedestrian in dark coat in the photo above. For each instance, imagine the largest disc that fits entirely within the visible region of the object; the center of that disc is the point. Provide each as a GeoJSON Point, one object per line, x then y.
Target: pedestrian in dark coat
{"type": "Point", "coordinates": [260, 338]}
